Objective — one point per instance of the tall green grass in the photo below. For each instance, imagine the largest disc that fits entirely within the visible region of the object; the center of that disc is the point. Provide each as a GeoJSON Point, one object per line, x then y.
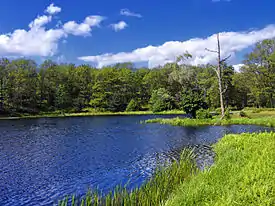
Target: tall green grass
{"type": "Point", "coordinates": [89, 113]}
{"type": "Point", "coordinates": [153, 192]}
{"type": "Point", "coordinates": [263, 121]}
{"type": "Point", "coordinates": [243, 174]}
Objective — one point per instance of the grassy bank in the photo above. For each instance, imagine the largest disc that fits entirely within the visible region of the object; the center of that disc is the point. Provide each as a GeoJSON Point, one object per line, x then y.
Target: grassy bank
{"type": "Point", "coordinates": [263, 121]}
{"type": "Point", "coordinates": [243, 174]}
{"type": "Point", "coordinates": [82, 114]}
{"type": "Point", "coordinates": [154, 192]}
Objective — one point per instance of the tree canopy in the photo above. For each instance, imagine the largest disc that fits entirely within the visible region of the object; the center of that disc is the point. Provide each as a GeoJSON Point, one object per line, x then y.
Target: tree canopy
{"type": "Point", "coordinates": [26, 87]}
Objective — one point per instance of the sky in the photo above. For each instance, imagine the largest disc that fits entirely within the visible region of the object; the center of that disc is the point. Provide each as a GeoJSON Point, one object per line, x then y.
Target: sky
{"type": "Point", "coordinates": [147, 33]}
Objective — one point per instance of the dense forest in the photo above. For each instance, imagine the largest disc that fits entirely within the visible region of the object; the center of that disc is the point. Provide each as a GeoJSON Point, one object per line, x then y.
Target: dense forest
{"type": "Point", "coordinates": [26, 87]}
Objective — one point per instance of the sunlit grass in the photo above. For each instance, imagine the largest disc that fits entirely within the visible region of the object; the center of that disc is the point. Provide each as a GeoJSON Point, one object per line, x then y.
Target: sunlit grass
{"type": "Point", "coordinates": [90, 113]}
{"type": "Point", "coordinates": [263, 121]}
{"type": "Point", "coordinates": [243, 174]}
{"type": "Point", "coordinates": [153, 192]}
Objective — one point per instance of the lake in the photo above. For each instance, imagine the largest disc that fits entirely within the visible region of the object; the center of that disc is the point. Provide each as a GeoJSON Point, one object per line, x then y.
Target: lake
{"type": "Point", "coordinates": [42, 160]}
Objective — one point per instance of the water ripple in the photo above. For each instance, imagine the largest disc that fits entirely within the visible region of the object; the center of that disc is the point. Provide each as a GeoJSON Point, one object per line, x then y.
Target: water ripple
{"type": "Point", "coordinates": [42, 160]}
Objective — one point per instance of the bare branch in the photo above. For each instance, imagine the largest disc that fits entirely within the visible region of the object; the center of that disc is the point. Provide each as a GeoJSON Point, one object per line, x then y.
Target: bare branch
{"type": "Point", "coordinates": [226, 58]}
{"type": "Point", "coordinates": [213, 51]}
{"type": "Point", "coordinates": [225, 89]}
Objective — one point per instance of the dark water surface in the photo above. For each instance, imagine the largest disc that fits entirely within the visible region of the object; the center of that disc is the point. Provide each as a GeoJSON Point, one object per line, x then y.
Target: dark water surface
{"type": "Point", "coordinates": [41, 160]}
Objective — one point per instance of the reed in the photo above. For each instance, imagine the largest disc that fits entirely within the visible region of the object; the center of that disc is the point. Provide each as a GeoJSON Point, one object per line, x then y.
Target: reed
{"type": "Point", "coordinates": [153, 192]}
{"type": "Point", "coordinates": [262, 121]}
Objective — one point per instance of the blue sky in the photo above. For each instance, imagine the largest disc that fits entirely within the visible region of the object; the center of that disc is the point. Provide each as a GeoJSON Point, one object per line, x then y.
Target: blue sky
{"type": "Point", "coordinates": [149, 32]}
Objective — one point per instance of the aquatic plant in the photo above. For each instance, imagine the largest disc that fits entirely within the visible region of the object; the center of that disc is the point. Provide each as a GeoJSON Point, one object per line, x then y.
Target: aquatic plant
{"type": "Point", "coordinates": [264, 121]}
{"type": "Point", "coordinates": [153, 192]}
{"type": "Point", "coordinates": [203, 114]}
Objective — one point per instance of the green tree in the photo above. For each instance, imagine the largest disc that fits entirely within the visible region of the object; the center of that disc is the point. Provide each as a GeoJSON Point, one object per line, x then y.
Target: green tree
{"type": "Point", "coordinates": [62, 99]}
{"type": "Point", "coordinates": [134, 105]}
{"type": "Point", "coordinates": [192, 101]}
{"type": "Point", "coordinates": [260, 72]}
{"type": "Point", "coordinates": [161, 100]}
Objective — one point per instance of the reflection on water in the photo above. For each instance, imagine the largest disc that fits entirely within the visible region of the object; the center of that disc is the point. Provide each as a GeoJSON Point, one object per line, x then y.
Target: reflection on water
{"type": "Point", "coordinates": [41, 160]}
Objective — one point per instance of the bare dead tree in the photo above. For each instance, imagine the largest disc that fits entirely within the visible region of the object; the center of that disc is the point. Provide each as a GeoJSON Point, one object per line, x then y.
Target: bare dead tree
{"type": "Point", "coordinates": [218, 70]}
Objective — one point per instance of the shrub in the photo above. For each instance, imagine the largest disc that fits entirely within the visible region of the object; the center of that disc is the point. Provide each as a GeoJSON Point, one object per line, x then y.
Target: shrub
{"type": "Point", "coordinates": [233, 108]}
{"type": "Point", "coordinates": [133, 106]}
{"type": "Point", "coordinates": [243, 114]}
{"type": "Point", "coordinates": [218, 110]}
{"type": "Point", "coordinates": [227, 114]}
{"type": "Point", "coordinates": [203, 114]}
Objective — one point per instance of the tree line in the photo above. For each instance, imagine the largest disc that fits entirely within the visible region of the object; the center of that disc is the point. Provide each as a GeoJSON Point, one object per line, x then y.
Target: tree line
{"type": "Point", "coordinates": [26, 87]}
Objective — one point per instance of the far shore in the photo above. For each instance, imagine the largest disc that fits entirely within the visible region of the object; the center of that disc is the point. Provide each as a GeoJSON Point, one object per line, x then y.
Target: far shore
{"type": "Point", "coordinates": [85, 114]}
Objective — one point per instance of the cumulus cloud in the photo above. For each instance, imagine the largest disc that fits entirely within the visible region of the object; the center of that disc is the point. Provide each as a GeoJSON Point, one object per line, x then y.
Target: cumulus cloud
{"type": "Point", "coordinates": [119, 26]}
{"type": "Point", "coordinates": [82, 29]}
{"type": "Point", "coordinates": [231, 43]}
{"type": "Point", "coordinates": [35, 42]}
{"type": "Point", "coordinates": [127, 12]}
{"type": "Point", "coordinates": [39, 41]}
{"type": "Point", "coordinates": [51, 9]}
{"type": "Point", "coordinates": [40, 21]}
{"type": "Point", "coordinates": [76, 29]}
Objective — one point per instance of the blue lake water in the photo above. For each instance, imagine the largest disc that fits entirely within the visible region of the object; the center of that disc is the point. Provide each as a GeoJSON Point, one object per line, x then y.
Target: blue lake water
{"type": "Point", "coordinates": [42, 160]}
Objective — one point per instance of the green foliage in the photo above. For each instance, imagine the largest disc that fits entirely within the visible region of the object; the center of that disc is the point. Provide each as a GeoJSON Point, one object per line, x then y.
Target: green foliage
{"type": "Point", "coordinates": [243, 174]}
{"type": "Point", "coordinates": [218, 110]}
{"type": "Point", "coordinates": [243, 114]}
{"type": "Point", "coordinates": [62, 99]}
{"type": "Point", "coordinates": [192, 101]}
{"type": "Point", "coordinates": [263, 121]}
{"type": "Point", "coordinates": [133, 105]}
{"type": "Point", "coordinates": [153, 192]}
{"type": "Point", "coordinates": [227, 114]}
{"type": "Point", "coordinates": [28, 88]}
{"type": "Point", "coordinates": [161, 100]}
{"type": "Point", "coordinates": [203, 114]}
{"type": "Point", "coordinates": [258, 110]}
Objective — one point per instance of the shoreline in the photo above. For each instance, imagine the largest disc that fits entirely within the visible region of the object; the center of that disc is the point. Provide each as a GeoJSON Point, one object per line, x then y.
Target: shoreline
{"type": "Point", "coordinates": [190, 186]}
{"type": "Point", "coordinates": [261, 121]}
{"type": "Point", "coordinates": [92, 114]}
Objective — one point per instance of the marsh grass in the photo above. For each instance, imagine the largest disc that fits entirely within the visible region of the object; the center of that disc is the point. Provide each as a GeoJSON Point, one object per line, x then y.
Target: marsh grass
{"type": "Point", "coordinates": [90, 113]}
{"type": "Point", "coordinates": [263, 121]}
{"type": "Point", "coordinates": [243, 174]}
{"type": "Point", "coordinates": [153, 192]}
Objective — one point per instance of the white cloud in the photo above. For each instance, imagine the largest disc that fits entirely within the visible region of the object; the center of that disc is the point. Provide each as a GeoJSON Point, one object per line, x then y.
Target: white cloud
{"type": "Point", "coordinates": [39, 41]}
{"type": "Point", "coordinates": [53, 9]}
{"type": "Point", "coordinates": [231, 42]}
{"type": "Point", "coordinates": [34, 42]}
{"type": "Point", "coordinates": [93, 20]}
{"type": "Point", "coordinates": [119, 26]}
{"type": "Point", "coordinates": [237, 67]}
{"type": "Point", "coordinates": [76, 29]}
{"type": "Point", "coordinates": [82, 29]}
{"type": "Point", "coordinates": [127, 12]}
{"type": "Point", "coordinates": [40, 21]}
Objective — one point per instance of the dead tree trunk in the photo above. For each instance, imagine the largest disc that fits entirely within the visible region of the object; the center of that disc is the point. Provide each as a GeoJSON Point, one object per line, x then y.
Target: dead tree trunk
{"type": "Point", "coordinates": [218, 71]}
{"type": "Point", "coordinates": [219, 74]}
